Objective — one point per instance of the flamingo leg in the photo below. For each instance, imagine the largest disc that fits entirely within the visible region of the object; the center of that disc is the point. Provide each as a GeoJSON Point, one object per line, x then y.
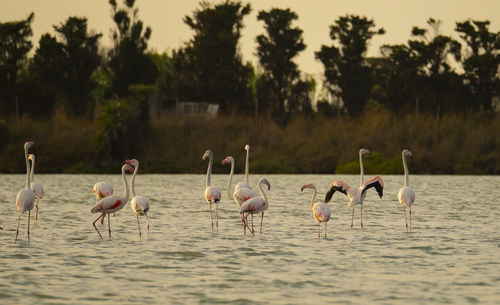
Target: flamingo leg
{"type": "Point", "coordinates": [252, 221]}
{"type": "Point", "coordinates": [139, 226]}
{"type": "Point", "coordinates": [147, 221]}
{"type": "Point", "coordinates": [410, 218]}
{"type": "Point", "coordinates": [361, 217]}
{"type": "Point", "coordinates": [100, 216]}
{"type": "Point", "coordinates": [406, 221]}
{"type": "Point", "coordinates": [211, 218]}
{"type": "Point", "coordinates": [109, 227]}
{"type": "Point", "coordinates": [102, 220]}
{"type": "Point", "coordinates": [352, 218]}
{"type": "Point", "coordinates": [217, 216]}
{"type": "Point", "coordinates": [245, 222]}
{"type": "Point", "coordinates": [325, 228]}
{"type": "Point", "coordinates": [261, 220]}
{"type": "Point", "coordinates": [319, 229]}
{"type": "Point", "coordinates": [29, 215]}
{"type": "Point", "coordinates": [36, 207]}
{"type": "Point", "coordinates": [244, 226]}
{"type": "Point", "coordinates": [17, 232]}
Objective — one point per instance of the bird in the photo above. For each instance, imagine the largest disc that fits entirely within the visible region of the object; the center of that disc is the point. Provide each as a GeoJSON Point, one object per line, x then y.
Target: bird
{"type": "Point", "coordinates": [321, 211]}
{"type": "Point", "coordinates": [356, 195]}
{"type": "Point", "coordinates": [25, 198]}
{"type": "Point", "coordinates": [212, 192]}
{"type": "Point", "coordinates": [255, 205]}
{"type": "Point", "coordinates": [102, 190]}
{"type": "Point", "coordinates": [245, 184]}
{"type": "Point", "coordinates": [112, 204]}
{"type": "Point", "coordinates": [406, 195]}
{"type": "Point", "coordinates": [36, 187]}
{"type": "Point", "coordinates": [139, 204]}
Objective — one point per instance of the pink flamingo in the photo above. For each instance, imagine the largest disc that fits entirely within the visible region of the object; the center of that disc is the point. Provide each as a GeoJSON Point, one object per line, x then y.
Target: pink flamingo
{"type": "Point", "coordinates": [113, 203]}
{"type": "Point", "coordinates": [321, 211]}
{"type": "Point", "coordinates": [139, 204]}
{"type": "Point", "coordinates": [36, 187]}
{"type": "Point", "coordinates": [212, 193]}
{"type": "Point", "coordinates": [356, 195]}
{"type": "Point", "coordinates": [25, 198]}
{"type": "Point", "coordinates": [102, 190]}
{"type": "Point", "coordinates": [406, 195]}
{"type": "Point", "coordinates": [255, 205]}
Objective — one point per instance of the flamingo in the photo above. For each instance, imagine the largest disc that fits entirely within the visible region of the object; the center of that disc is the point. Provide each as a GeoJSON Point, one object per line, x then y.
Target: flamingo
{"type": "Point", "coordinates": [212, 193]}
{"type": "Point", "coordinates": [321, 211]}
{"type": "Point", "coordinates": [255, 205]}
{"type": "Point", "coordinates": [406, 195]}
{"type": "Point", "coordinates": [36, 187]}
{"type": "Point", "coordinates": [25, 198]}
{"type": "Point", "coordinates": [245, 184]}
{"type": "Point", "coordinates": [356, 195]}
{"type": "Point", "coordinates": [102, 190]}
{"type": "Point", "coordinates": [139, 204]}
{"type": "Point", "coordinates": [112, 203]}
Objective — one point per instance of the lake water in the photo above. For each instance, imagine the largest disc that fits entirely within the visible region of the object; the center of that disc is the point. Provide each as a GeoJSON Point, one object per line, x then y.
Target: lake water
{"type": "Point", "coordinates": [452, 255]}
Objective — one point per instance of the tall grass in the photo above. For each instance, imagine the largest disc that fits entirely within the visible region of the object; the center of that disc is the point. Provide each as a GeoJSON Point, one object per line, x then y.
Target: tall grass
{"type": "Point", "coordinates": [457, 144]}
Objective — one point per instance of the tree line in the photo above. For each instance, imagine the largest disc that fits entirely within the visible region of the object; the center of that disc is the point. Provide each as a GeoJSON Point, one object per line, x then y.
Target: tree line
{"type": "Point", "coordinates": [431, 73]}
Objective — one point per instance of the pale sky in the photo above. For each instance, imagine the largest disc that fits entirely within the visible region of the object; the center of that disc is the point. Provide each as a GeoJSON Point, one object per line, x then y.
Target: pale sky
{"type": "Point", "coordinates": [397, 17]}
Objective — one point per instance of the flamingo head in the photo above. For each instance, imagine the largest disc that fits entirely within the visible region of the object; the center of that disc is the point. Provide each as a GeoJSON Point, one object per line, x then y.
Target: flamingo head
{"type": "Point", "coordinates": [132, 162]}
{"type": "Point", "coordinates": [31, 157]}
{"type": "Point", "coordinates": [228, 159]}
{"type": "Point", "coordinates": [305, 186]}
{"type": "Point", "coordinates": [128, 168]}
{"type": "Point", "coordinates": [264, 180]}
{"type": "Point", "coordinates": [29, 144]}
{"type": "Point", "coordinates": [207, 154]}
{"type": "Point", "coordinates": [363, 151]}
{"type": "Point", "coordinates": [247, 147]}
{"type": "Point", "coordinates": [407, 153]}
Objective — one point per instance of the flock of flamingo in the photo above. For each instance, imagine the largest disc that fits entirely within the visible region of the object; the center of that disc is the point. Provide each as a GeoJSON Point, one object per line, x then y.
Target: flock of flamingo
{"type": "Point", "coordinates": [249, 201]}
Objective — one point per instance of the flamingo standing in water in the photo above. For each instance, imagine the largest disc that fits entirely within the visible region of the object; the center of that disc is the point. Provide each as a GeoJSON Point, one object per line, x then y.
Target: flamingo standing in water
{"type": "Point", "coordinates": [406, 195]}
{"type": "Point", "coordinates": [356, 195]}
{"type": "Point", "coordinates": [255, 205]}
{"type": "Point", "coordinates": [139, 204]}
{"type": "Point", "coordinates": [321, 211]}
{"type": "Point", "coordinates": [36, 187]}
{"type": "Point", "coordinates": [212, 193]}
{"type": "Point", "coordinates": [112, 203]}
{"type": "Point", "coordinates": [25, 198]}
{"type": "Point", "coordinates": [102, 190]}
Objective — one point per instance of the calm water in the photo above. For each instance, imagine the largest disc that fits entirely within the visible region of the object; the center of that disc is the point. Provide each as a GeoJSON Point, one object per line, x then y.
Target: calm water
{"type": "Point", "coordinates": [451, 257]}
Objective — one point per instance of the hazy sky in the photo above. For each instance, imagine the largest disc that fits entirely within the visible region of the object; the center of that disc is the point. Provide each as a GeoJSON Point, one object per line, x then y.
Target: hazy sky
{"type": "Point", "coordinates": [397, 17]}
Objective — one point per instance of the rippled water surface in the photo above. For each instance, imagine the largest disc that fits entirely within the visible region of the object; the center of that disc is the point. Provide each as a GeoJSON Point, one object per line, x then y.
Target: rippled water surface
{"type": "Point", "coordinates": [451, 257]}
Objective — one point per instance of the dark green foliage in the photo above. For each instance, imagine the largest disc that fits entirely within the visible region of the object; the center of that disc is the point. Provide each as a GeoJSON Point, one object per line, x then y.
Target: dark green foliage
{"type": "Point", "coordinates": [346, 71]}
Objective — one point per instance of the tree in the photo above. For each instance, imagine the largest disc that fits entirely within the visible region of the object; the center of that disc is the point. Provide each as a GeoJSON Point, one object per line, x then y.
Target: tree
{"type": "Point", "coordinates": [276, 50]}
{"type": "Point", "coordinates": [482, 63]}
{"type": "Point", "coordinates": [129, 62]}
{"type": "Point", "coordinates": [346, 72]}
{"type": "Point", "coordinates": [14, 45]}
{"type": "Point", "coordinates": [210, 64]}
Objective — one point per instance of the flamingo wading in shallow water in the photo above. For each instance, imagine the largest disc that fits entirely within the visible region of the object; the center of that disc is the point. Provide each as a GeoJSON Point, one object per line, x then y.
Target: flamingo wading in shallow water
{"type": "Point", "coordinates": [321, 211]}
{"type": "Point", "coordinates": [102, 190]}
{"type": "Point", "coordinates": [212, 193]}
{"type": "Point", "coordinates": [255, 205]}
{"type": "Point", "coordinates": [112, 203]}
{"type": "Point", "coordinates": [36, 187]}
{"type": "Point", "coordinates": [406, 195]}
{"type": "Point", "coordinates": [357, 194]}
{"type": "Point", "coordinates": [25, 198]}
{"type": "Point", "coordinates": [139, 204]}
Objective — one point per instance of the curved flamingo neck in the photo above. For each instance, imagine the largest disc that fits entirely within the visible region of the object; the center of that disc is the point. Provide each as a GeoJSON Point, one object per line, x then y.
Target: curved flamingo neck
{"type": "Point", "coordinates": [209, 169]}
{"type": "Point", "coordinates": [361, 168]}
{"type": "Point", "coordinates": [28, 182]}
{"type": "Point", "coordinates": [247, 164]}
{"type": "Point", "coordinates": [32, 178]}
{"type": "Point", "coordinates": [407, 178]}
{"type": "Point", "coordinates": [262, 191]}
{"type": "Point", "coordinates": [230, 179]}
{"type": "Point", "coordinates": [133, 180]}
{"type": "Point", "coordinates": [313, 196]}
{"type": "Point", "coordinates": [125, 184]}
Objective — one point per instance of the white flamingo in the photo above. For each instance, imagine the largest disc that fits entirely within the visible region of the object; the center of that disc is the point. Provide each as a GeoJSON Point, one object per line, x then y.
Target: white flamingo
{"type": "Point", "coordinates": [102, 190]}
{"type": "Point", "coordinates": [139, 204]}
{"type": "Point", "coordinates": [25, 198]}
{"type": "Point", "coordinates": [112, 203]}
{"type": "Point", "coordinates": [245, 184]}
{"type": "Point", "coordinates": [406, 195]}
{"type": "Point", "coordinates": [321, 211]}
{"type": "Point", "coordinates": [36, 187]}
{"type": "Point", "coordinates": [212, 193]}
{"type": "Point", "coordinates": [255, 205]}
{"type": "Point", "coordinates": [356, 195]}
